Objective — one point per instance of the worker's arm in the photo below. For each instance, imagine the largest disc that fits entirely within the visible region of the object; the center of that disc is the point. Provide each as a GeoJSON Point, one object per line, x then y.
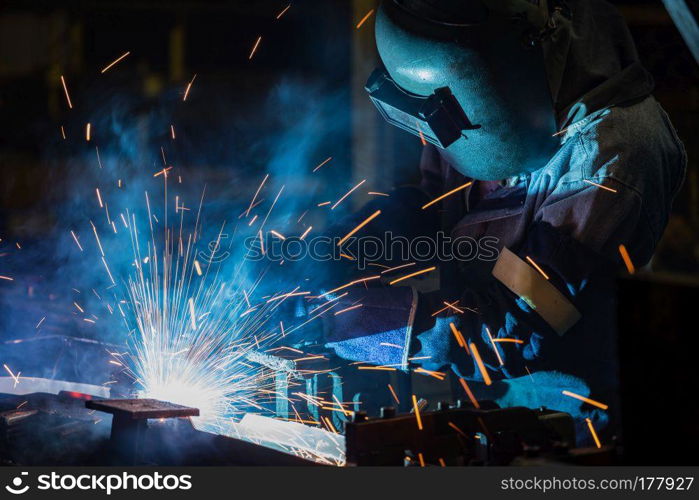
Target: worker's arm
{"type": "Point", "coordinates": [574, 240]}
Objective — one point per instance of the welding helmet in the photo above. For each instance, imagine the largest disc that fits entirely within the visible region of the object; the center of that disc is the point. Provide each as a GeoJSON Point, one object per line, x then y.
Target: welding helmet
{"type": "Point", "coordinates": [468, 76]}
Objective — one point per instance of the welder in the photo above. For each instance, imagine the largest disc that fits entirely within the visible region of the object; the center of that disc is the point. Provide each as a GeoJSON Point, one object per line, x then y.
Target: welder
{"type": "Point", "coordinates": [538, 117]}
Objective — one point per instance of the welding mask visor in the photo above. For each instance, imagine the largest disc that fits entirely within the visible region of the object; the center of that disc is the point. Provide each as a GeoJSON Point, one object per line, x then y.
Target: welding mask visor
{"type": "Point", "coordinates": [468, 79]}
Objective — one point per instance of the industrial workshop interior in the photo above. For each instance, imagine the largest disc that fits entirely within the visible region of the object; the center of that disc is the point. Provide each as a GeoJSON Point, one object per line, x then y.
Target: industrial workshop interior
{"type": "Point", "coordinates": [368, 235]}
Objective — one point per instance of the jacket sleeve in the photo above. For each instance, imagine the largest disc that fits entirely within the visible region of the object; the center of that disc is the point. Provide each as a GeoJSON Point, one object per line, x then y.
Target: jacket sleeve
{"type": "Point", "coordinates": [572, 246]}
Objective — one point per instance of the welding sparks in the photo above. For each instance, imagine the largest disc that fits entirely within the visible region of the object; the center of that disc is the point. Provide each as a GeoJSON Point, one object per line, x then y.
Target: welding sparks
{"type": "Point", "coordinates": [600, 186]}
{"type": "Point", "coordinates": [481, 367]}
{"type": "Point", "coordinates": [88, 129]}
{"type": "Point", "coordinates": [347, 285]}
{"type": "Point", "coordinates": [593, 432]}
{"type": "Point", "coordinates": [627, 259]}
{"type": "Point", "coordinates": [359, 227]}
{"type": "Point", "coordinates": [507, 339]}
{"type": "Point", "coordinates": [189, 87]}
{"type": "Point", "coordinates": [6, 278]}
{"type": "Point", "coordinates": [322, 163]}
{"type": "Point", "coordinates": [172, 132]}
{"type": "Point", "coordinates": [305, 233]}
{"type": "Point", "coordinates": [391, 269]}
{"type": "Point", "coordinates": [393, 394]}
{"type": "Point", "coordinates": [278, 235]}
{"type": "Point", "coordinates": [252, 202]}
{"type": "Point", "coordinates": [459, 337]}
{"type": "Point", "coordinates": [416, 409]}
{"type": "Point", "coordinates": [365, 18]}
{"type": "Point", "coordinates": [495, 347]}
{"type": "Point", "coordinates": [254, 48]}
{"type": "Point", "coordinates": [440, 198]}
{"type": "Point", "coordinates": [279, 16]}
{"type": "Point", "coordinates": [14, 377]}
{"type": "Point", "coordinates": [586, 400]}
{"type": "Point", "coordinates": [422, 136]}
{"type": "Point", "coordinates": [416, 273]}
{"type": "Point", "coordinates": [438, 375]}
{"type": "Point", "coordinates": [352, 308]}
{"type": "Point", "coordinates": [541, 271]}
{"type": "Point", "coordinates": [347, 194]}
{"type": "Point", "coordinates": [470, 395]}
{"type": "Point", "coordinates": [106, 68]}
{"type": "Point", "coordinates": [75, 238]}
{"type": "Point", "coordinates": [65, 89]}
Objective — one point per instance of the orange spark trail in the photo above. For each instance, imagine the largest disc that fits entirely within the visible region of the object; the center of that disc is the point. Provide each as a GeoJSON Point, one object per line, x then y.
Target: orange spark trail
{"type": "Point", "coordinates": [115, 61]}
{"type": "Point", "coordinates": [507, 339]}
{"type": "Point", "coordinates": [76, 240]}
{"type": "Point", "coordinates": [453, 307]}
{"type": "Point", "coordinates": [541, 271]}
{"type": "Point", "coordinates": [481, 366]}
{"type": "Point", "coordinates": [362, 280]}
{"type": "Point", "coordinates": [495, 348]}
{"type": "Point", "coordinates": [459, 338]}
{"type": "Point", "coordinates": [349, 309]}
{"type": "Point", "coordinates": [172, 132]}
{"type": "Point", "coordinates": [256, 193]}
{"type": "Point", "coordinates": [416, 273]}
{"type": "Point", "coordinates": [455, 190]}
{"type": "Point", "coordinates": [346, 195]}
{"type": "Point", "coordinates": [279, 16]}
{"type": "Point", "coordinates": [65, 89]}
{"type": "Point", "coordinates": [364, 19]}
{"type": "Point", "coordinates": [393, 393]}
{"type": "Point", "coordinates": [456, 428]}
{"type": "Point", "coordinates": [278, 235]}
{"type": "Point", "coordinates": [594, 434]}
{"type": "Point", "coordinates": [437, 375]}
{"type": "Point", "coordinates": [254, 49]}
{"type": "Point", "coordinates": [586, 400]}
{"type": "Point", "coordinates": [600, 186]}
{"type": "Point", "coordinates": [417, 413]}
{"type": "Point", "coordinates": [88, 128]}
{"type": "Point", "coordinates": [63, 132]}
{"type": "Point", "coordinates": [6, 278]}
{"type": "Point", "coordinates": [305, 233]}
{"type": "Point", "coordinates": [360, 226]}
{"type": "Point", "coordinates": [470, 395]}
{"type": "Point", "coordinates": [15, 377]}
{"type": "Point", "coordinates": [390, 269]}
{"type": "Point", "coordinates": [189, 86]}
{"type": "Point", "coordinates": [422, 137]}
{"type": "Point", "coordinates": [376, 193]}
{"type": "Point", "coordinates": [323, 163]}
{"type": "Point", "coordinates": [627, 259]}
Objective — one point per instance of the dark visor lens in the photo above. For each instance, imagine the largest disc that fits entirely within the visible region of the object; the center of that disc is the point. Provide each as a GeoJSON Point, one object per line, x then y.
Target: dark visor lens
{"type": "Point", "coordinates": [438, 118]}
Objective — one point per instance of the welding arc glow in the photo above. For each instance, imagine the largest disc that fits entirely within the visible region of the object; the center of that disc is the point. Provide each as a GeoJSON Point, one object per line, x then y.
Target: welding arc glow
{"type": "Point", "coordinates": [191, 336]}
